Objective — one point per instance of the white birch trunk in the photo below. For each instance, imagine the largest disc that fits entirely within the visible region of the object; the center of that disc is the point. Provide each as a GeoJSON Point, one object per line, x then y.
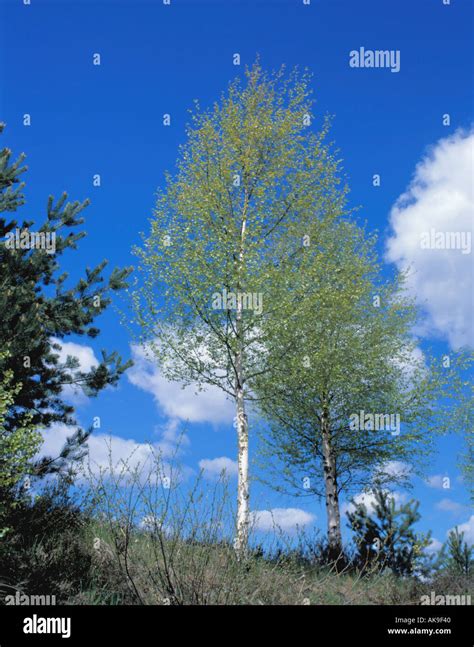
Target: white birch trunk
{"type": "Point", "coordinates": [242, 531]}
{"type": "Point", "coordinates": [332, 498]}
{"type": "Point", "coordinates": [241, 541]}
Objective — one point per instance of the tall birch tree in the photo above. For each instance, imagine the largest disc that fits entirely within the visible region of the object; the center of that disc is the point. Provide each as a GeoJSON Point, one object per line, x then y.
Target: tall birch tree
{"type": "Point", "coordinates": [253, 181]}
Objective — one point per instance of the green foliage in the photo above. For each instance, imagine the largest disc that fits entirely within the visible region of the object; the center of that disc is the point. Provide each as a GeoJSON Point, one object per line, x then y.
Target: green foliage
{"type": "Point", "coordinates": [386, 539]}
{"type": "Point", "coordinates": [252, 179]}
{"type": "Point", "coordinates": [38, 310]}
{"type": "Point", "coordinates": [467, 464]}
{"type": "Point", "coordinates": [18, 447]}
{"type": "Point", "coordinates": [349, 348]}
{"type": "Point", "coordinates": [342, 355]}
{"type": "Point", "coordinates": [465, 425]}
{"type": "Point", "coordinates": [457, 555]}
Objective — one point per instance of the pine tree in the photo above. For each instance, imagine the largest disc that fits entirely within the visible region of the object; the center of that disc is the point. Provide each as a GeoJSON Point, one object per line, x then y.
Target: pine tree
{"type": "Point", "coordinates": [385, 538]}
{"type": "Point", "coordinates": [457, 555]}
{"type": "Point", "coordinates": [38, 311]}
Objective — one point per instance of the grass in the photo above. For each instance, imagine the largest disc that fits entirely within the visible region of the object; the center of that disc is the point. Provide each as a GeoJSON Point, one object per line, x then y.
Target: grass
{"type": "Point", "coordinates": [181, 572]}
{"type": "Point", "coordinates": [132, 540]}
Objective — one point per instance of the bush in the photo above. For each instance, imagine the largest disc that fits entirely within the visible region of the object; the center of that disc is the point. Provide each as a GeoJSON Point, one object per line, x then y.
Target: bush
{"type": "Point", "coordinates": [44, 552]}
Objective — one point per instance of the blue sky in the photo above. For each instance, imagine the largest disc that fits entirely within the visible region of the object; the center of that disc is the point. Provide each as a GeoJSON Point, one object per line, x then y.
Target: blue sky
{"type": "Point", "coordinates": [157, 59]}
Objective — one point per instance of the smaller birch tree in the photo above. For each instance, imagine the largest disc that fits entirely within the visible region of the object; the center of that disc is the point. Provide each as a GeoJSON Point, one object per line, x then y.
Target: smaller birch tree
{"type": "Point", "coordinates": [350, 395]}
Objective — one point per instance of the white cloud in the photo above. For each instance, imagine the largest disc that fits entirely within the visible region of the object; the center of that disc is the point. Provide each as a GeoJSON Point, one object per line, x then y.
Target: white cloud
{"type": "Point", "coordinates": [84, 354]}
{"type": "Point", "coordinates": [106, 451]}
{"type": "Point", "coordinates": [213, 467]}
{"type": "Point", "coordinates": [413, 361]}
{"type": "Point", "coordinates": [437, 481]}
{"type": "Point", "coordinates": [393, 470]}
{"type": "Point", "coordinates": [54, 439]}
{"type": "Point", "coordinates": [434, 546]}
{"type": "Point", "coordinates": [440, 197]}
{"type": "Point", "coordinates": [468, 530]}
{"type": "Point", "coordinates": [150, 522]}
{"type": "Point", "coordinates": [448, 505]}
{"type": "Point", "coordinates": [153, 523]}
{"type": "Point", "coordinates": [286, 519]}
{"type": "Point", "coordinates": [173, 440]}
{"type": "Point", "coordinates": [368, 499]}
{"type": "Point", "coordinates": [87, 361]}
{"type": "Point", "coordinates": [208, 405]}
{"type": "Point", "coordinates": [100, 446]}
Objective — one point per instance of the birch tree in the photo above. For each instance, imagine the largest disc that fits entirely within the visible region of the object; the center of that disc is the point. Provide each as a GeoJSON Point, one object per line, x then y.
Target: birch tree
{"type": "Point", "coordinates": [217, 269]}
{"type": "Point", "coordinates": [351, 396]}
